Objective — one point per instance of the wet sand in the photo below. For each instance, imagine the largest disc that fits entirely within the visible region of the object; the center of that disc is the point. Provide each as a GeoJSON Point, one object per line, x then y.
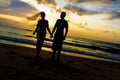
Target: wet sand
{"type": "Point", "coordinates": [19, 63]}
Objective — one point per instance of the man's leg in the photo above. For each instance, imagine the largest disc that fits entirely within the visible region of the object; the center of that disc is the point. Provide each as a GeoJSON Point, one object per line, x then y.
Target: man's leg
{"type": "Point", "coordinates": [53, 55]}
{"type": "Point", "coordinates": [58, 56]}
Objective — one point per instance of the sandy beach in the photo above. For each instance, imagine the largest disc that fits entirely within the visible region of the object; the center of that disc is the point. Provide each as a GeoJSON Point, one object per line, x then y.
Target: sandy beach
{"type": "Point", "coordinates": [19, 63]}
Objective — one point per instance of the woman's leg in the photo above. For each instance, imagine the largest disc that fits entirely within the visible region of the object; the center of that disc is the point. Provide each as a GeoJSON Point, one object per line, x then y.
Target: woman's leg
{"type": "Point", "coordinates": [39, 46]}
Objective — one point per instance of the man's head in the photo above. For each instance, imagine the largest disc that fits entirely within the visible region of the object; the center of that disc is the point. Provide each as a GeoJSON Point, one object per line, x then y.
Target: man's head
{"type": "Point", "coordinates": [42, 14]}
{"type": "Point", "coordinates": [63, 14]}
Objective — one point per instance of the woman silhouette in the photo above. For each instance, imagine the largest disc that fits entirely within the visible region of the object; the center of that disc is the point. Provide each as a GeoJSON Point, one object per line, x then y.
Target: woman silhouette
{"type": "Point", "coordinates": [42, 25]}
{"type": "Point", "coordinates": [60, 35]}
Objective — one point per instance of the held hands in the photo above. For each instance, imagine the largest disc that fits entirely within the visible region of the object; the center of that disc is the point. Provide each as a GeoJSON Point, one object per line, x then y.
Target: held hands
{"type": "Point", "coordinates": [34, 33]}
{"type": "Point", "coordinates": [51, 36]}
{"type": "Point", "coordinates": [64, 37]}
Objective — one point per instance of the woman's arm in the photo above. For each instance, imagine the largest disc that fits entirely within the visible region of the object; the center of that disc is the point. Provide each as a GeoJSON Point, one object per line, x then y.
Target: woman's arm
{"type": "Point", "coordinates": [36, 28]}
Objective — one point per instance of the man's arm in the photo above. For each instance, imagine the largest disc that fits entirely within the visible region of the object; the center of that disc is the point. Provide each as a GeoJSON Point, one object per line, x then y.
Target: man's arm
{"type": "Point", "coordinates": [54, 27]}
{"type": "Point", "coordinates": [66, 30]}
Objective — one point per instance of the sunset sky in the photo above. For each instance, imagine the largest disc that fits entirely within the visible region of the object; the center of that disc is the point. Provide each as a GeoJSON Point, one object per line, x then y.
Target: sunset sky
{"type": "Point", "coordinates": [92, 19]}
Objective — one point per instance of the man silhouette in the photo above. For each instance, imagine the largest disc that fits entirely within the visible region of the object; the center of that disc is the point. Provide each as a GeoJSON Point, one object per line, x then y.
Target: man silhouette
{"type": "Point", "coordinates": [42, 25]}
{"type": "Point", "coordinates": [60, 35]}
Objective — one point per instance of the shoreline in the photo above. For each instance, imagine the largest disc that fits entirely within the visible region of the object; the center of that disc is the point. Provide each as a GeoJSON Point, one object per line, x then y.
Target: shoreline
{"type": "Point", "coordinates": [84, 55]}
{"type": "Point", "coordinates": [18, 63]}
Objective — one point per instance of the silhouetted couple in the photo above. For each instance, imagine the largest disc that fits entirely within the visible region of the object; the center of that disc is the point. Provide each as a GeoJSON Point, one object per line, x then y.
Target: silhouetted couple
{"type": "Point", "coordinates": [59, 31]}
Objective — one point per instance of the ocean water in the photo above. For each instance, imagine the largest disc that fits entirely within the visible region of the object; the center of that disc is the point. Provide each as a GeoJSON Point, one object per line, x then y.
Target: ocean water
{"type": "Point", "coordinates": [71, 44]}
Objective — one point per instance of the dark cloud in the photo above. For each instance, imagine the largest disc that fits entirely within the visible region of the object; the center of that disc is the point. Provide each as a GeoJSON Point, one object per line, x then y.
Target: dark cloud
{"type": "Point", "coordinates": [109, 32]}
{"type": "Point", "coordinates": [80, 10]}
{"type": "Point", "coordinates": [5, 4]}
{"type": "Point", "coordinates": [84, 26]}
{"type": "Point", "coordinates": [72, 5]}
{"type": "Point", "coordinates": [16, 8]}
{"type": "Point", "coordinates": [47, 1]}
{"type": "Point", "coordinates": [112, 11]}
{"type": "Point", "coordinates": [113, 15]}
{"type": "Point", "coordinates": [108, 2]}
